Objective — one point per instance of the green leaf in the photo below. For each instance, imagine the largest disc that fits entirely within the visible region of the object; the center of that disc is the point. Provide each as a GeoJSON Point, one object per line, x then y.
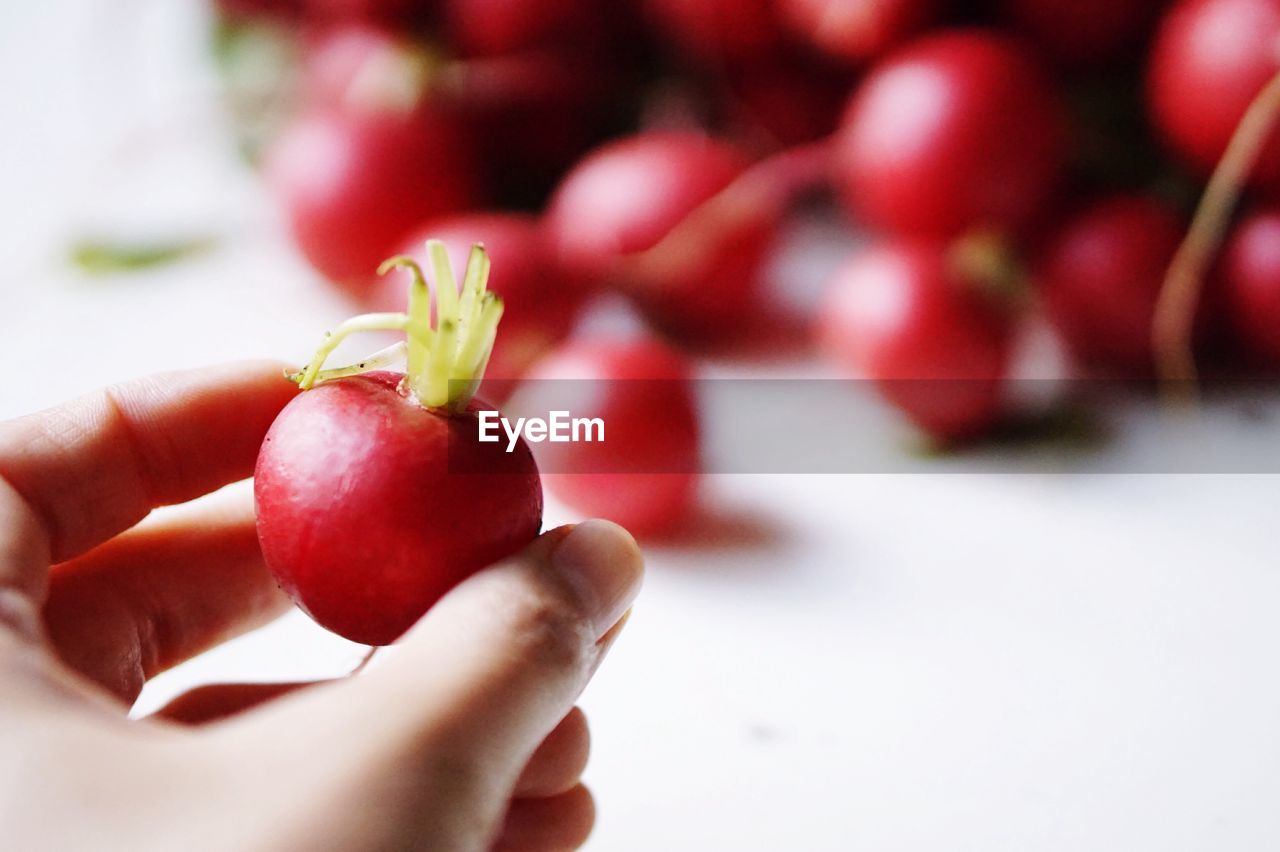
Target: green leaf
{"type": "Point", "coordinates": [107, 257]}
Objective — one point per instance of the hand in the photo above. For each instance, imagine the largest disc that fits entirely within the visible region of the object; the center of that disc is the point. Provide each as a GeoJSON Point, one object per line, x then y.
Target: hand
{"type": "Point", "coordinates": [463, 736]}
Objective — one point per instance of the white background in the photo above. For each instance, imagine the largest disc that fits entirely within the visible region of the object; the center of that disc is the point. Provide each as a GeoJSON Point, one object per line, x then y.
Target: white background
{"type": "Point", "coordinates": [937, 661]}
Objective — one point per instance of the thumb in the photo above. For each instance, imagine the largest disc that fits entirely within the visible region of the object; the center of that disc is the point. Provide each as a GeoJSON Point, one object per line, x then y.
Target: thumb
{"type": "Point", "coordinates": [462, 702]}
{"type": "Point", "coordinates": [503, 657]}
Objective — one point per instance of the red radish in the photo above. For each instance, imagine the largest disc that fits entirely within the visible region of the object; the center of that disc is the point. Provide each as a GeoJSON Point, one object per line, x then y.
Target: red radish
{"type": "Point", "coordinates": [353, 182]}
{"type": "Point", "coordinates": [551, 99]}
{"type": "Point", "coordinates": [1085, 32]}
{"type": "Point", "coordinates": [1209, 61]}
{"type": "Point", "coordinates": [1251, 277]}
{"type": "Point", "coordinates": [956, 130]}
{"type": "Point", "coordinates": [1243, 92]}
{"type": "Point", "coordinates": [540, 302]}
{"type": "Point", "coordinates": [645, 474]}
{"type": "Point", "coordinates": [362, 66]}
{"type": "Point", "coordinates": [1099, 275]}
{"type": "Point", "coordinates": [247, 11]}
{"type": "Point", "coordinates": [390, 13]}
{"type": "Point", "coordinates": [911, 316]}
{"type": "Point", "coordinates": [556, 103]}
{"type": "Point", "coordinates": [374, 495]}
{"type": "Point", "coordinates": [497, 27]}
{"type": "Point", "coordinates": [628, 196]}
{"type": "Point", "coordinates": [786, 100]}
{"type": "Point", "coordinates": [857, 30]}
{"type": "Point", "coordinates": [718, 30]}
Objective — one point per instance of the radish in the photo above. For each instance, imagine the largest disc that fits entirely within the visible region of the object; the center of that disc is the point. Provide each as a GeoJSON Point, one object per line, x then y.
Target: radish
{"type": "Point", "coordinates": [1250, 273]}
{"type": "Point", "coordinates": [558, 103]}
{"type": "Point", "coordinates": [679, 222]}
{"type": "Point", "coordinates": [1210, 59]}
{"type": "Point", "coordinates": [785, 100]}
{"type": "Point", "coordinates": [629, 194]}
{"type": "Point", "coordinates": [956, 130]}
{"type": "Point", "coordinates": [374, 495]}
{"type": "Point", "coordinates": [716, 31]}
{"type": "Point", "coordinates": [645, 474]}
{"type": "Point", "coordinates": [1084, 32]}
{"type": "Point", "coordinates": [388, 13]}
{"type": "Point", "coordinates": [498, 27]}
{"type": "Point", "coordinates": [915, 317]}
{"type": "Point", "coordinates": [353, 182]}
{"type": "Point", "coordinates": [248, 11]}
{"type": "Point", "coordinates": [1214, 84]}
{"type": "Point", "coordinates": [540, 302]}
{"type": "Point", "coordinates": [1099, 275]}
{"type": "Point", "coordinates": [856, 30]}
{"type": "Point", "coordinates": [361, 65]}
{"type": "Point", "coordinates": [553, 100]}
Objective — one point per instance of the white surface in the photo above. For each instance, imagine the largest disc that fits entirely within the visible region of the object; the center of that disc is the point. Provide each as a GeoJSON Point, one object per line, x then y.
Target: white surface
{"type": "Point", "coordinates": [926, 662]}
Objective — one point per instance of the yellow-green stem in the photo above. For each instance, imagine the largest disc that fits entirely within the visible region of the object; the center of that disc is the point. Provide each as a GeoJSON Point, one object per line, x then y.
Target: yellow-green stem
{"type": "Point", "coordinates": [445, 360]}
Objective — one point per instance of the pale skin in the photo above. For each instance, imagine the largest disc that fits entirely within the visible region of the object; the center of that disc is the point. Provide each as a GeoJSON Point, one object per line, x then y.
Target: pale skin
{"type": "Point", "coordinates": [464, 736]}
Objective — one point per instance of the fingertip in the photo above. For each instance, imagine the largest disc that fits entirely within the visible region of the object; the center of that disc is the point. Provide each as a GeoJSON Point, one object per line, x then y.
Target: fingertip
{"type": "Point", "coordinates": [556, 823]}
{"type": "Point", "coordinates": [271, 372]}
{"type": "Point", "coordinates": [560, 759]}
{"type": "Point", "coordinates": [603, 564]}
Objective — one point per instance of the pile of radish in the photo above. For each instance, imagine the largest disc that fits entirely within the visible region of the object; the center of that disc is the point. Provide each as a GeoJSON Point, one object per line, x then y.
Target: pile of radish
{"type": "Point", "coordinates": [1006, 165]}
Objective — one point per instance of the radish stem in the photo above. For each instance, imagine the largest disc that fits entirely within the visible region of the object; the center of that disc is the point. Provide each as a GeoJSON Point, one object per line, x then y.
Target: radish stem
{"type": "Point", "coordinates": [444, 350]}
{"type": "Point", "coordinates": [364, 322]}
{"type": "Point", "coordinates": [381, 358]}
{"type": "Point", "coordinates": [445, 361]}
{"type": "Point", "coordinates": [1173, 325]}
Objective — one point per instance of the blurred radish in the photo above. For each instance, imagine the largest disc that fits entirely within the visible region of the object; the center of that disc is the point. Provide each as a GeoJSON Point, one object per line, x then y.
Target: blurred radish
{"type": "Point", "coordinates": [364, 66]}
{"type": "Point", "coordinates": [557, 103]}
{"type": "Point", "coordinates": [645, 474]}
{"type": "Point", "coordinates": [1210, 59]}
{"type": "Point", "coordinates": [959, 129]}
{"type": "Point", "coordinates": [390, 13]}
{"type": "Point", "coordinates": [927, 327]}
{"type": "Point", "coordinates": [540, 302]}
{"type": "Point", "coordinates": [679, 222]}
{"type": "Point", "coordinates": [857, 30]}
{"type": "Point", "coordinates": [627, 195]}
{"type": "Point", "coordinates": [1214, 88]}
{"type": "Point", "coordinates": [1084, 32]}
{"type": "Point", "coordinates": [353, 183]}
{"type": "Point", "coordinates": [498, 27]}
{"type": "Point", "coordinates": [717, 31]}
{"type": "Point", "coordinates": [374, 153]}
{"type": "Point", "coordinates": [250, 11]}
{"type": "Point", "coordinates": [1099, 276]}
{"type": "Point", "coordinates": [1251, 278]}
{"type": "Point", "coordinates": [785, 100]}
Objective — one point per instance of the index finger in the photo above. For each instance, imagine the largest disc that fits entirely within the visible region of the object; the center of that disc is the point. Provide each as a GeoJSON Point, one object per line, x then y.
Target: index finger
{"type": "Point", "coordinates": [94, 467]}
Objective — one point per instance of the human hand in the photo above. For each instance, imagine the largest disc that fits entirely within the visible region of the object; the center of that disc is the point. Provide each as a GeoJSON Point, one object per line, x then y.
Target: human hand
{"type": "Point", "coordinates": [463, 736]}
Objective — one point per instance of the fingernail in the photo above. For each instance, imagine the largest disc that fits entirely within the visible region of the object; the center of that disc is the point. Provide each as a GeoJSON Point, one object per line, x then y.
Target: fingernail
{"type": "Point", "coordinates": [604, 565]}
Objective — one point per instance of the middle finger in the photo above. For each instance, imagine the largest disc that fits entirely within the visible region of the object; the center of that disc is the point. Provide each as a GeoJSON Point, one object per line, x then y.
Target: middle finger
{"type": "Point", "coordinates": [158, 595]}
